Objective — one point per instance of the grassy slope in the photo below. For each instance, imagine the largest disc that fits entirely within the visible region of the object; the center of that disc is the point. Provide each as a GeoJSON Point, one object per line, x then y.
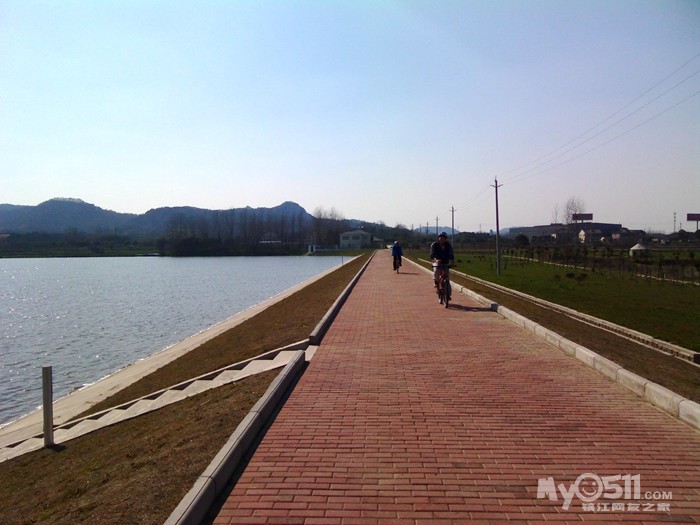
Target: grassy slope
{"type": "Point", "coordinates": [663, 310]}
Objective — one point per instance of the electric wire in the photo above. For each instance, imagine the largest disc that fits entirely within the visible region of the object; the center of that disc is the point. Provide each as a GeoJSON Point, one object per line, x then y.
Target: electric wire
{"type": "Point", "coordinates": [581, 135]}
{"type": "Point", "coordinates": [653, 117]}
{"type": "Point", "coordinates": [519, 177]}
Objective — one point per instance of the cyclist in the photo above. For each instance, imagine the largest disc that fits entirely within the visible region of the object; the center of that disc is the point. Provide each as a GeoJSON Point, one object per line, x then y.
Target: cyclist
{"type": "Point", "coordinates": [396, 253]}
{"type": "Point", "coordinates": [442, 255]}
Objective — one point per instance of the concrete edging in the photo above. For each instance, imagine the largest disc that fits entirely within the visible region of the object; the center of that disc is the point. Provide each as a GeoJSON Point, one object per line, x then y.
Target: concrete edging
{"type": "Point", "coordinates": [194, 506]}
{"type": "Point", "coordinates": [320, 330]}
{"type": "Point", "coordinates": [657, 395]}
{"type": "Point", "coordinates": [673, 404]}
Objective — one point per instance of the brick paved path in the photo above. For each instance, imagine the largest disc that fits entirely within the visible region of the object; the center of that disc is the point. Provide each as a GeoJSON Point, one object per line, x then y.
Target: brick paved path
{"type": "Point", "coordinates": [410, 413]}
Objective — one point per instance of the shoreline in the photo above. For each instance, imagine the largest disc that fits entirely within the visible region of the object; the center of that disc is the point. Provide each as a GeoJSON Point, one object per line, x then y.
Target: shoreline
{"type": "Point", "coordinates": [78, 401]}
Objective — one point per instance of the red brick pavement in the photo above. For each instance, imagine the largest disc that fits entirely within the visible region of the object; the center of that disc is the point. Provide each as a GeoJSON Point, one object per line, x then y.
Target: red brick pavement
{"type": "Point", "coordinates": [410, 413]}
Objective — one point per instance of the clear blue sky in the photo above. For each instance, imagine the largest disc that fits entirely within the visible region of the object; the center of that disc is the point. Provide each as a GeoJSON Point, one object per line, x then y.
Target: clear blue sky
{"type": "Point", "coordinates": [386, 110]}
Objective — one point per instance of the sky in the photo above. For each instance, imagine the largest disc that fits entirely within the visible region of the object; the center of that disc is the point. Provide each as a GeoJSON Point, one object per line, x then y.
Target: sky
{"type": "Point", "coordinates": [384, 110]}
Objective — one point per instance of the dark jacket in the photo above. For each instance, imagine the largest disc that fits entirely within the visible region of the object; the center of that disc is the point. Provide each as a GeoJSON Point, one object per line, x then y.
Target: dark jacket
{"type": "Point", "coordinates": [444, 253]}
{"type": "Point", "coordinates": [396, 250]}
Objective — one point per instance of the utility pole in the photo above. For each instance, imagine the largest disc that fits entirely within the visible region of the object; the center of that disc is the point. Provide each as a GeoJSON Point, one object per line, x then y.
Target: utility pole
{"type": "Point", "coordinates": [498, 227]}
{"type": "Point", "coordinates": [674, 222]}
{"type": "Point", "coordinates": [452, 237]}
{"type": "Point", "coordinates": [436, 226]}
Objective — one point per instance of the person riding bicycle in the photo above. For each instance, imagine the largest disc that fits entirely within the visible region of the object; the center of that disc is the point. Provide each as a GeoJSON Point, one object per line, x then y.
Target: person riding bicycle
{"type": "Point", "coordinates": [396, 253]}
{"type": "Point", "coordinates": [442, 255]}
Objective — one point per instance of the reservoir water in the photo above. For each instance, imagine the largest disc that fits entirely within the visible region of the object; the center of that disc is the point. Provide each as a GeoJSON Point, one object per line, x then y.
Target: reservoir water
{"type": "Point", "coordinates": [89, 317]}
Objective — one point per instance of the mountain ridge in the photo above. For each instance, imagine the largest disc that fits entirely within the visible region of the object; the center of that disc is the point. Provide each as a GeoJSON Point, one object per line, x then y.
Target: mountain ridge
{"type": "Point", "coordinates": [59, 215]}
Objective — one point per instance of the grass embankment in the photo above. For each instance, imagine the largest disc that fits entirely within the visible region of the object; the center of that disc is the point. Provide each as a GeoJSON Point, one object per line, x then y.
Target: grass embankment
{"type": "Point", "coordinates": [661, 309]}
{"type": "Point", "coordinates": [137, 471]}
{"type": "Point", "coordinates": [668, 371]}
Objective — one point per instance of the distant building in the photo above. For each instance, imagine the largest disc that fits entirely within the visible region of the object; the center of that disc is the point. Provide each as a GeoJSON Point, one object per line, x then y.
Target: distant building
{"type": "Point", "coordinates": [546, 230]}
{"type": "Point", "coordinates": [639, 250]}
{"type": "Point", "coordinates": [626, 236]}
{"type": "Point", "coordinates": [356, 240]}
{"type": "Point", "coordinates": [557, 233]}
{"type": "Point", "coordinates": [590, 236]}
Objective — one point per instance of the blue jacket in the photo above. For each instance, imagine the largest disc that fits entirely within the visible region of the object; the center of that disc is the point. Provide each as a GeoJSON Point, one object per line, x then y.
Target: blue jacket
{"type": "Point", "coordinates": [396, 250]}
{"type": "Point", "coordinates": [444, 253]}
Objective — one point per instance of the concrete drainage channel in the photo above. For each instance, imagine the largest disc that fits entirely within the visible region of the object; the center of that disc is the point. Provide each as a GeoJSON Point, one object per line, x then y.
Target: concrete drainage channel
{"type": "Point", "coordinates": [677, 406]}
{"type": "Point", "coordinates": [194, 507]}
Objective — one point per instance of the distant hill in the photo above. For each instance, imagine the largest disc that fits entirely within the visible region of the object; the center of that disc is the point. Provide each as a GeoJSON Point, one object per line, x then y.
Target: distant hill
{"type": "Point", "coordinates": [61, 215]}
{"type": "Point", "coordinates": [58, 216]}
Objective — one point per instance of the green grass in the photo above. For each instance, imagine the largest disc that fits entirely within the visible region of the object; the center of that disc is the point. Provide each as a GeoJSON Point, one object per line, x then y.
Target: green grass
{"type": "Point", "coordinates": [669, 312]}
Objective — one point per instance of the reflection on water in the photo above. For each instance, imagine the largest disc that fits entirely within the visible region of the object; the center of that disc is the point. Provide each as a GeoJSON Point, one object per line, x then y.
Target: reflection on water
{"type": "Point", "coordinates": [88, 317]}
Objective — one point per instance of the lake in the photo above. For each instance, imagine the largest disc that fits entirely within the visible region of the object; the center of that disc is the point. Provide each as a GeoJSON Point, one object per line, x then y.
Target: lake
{"type": "Point", "coordinates": [89, 317]}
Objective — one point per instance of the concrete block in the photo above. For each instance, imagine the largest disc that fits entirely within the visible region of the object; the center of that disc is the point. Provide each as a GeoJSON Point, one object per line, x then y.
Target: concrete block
{"type": "Point", "coordinates": [279, 386]}
{"type": "Point", "coordinates": [285, 356]}
{"type": "Point", "coordinates": [689, 411]}
{"type": "Point", "coordinates": [193, 507]}
{"type": "Point", "coordinates": [530, 326]}
{"type": "Point", "coordinates": [584, 354]}
{"type": "Point", "coordinates": [171, 396]}
{"type": "Point", "coordinates": [663, 398]}
{"type": "Point", "coordinates": [198, 387]}
{"type": "Point", "coordinates": [84, 427]}
{"type": "Point", "coordinates": [311, 352]}
{"type": "Point", "coordinates": [606, 367]}
{"type": "Point", "coordinates": [552, 338]}
{"type": "Point", "coordinates": [141, 407]}
{"type": "Point", "coordinates": [112, 416]}
{"type": "Point", "coordinates": [28, 446]}
{"type": "Point", "coordinates": [229, 457]}
{"type": "Point", "coordinates": [631, 381]}
{"type": "Point", "coordinates": [568, 347]}
{"type": "Point", "coordinates": [519, 320]}
{"type": "Point", "coordinates": [255, 367]}
{"type": "Point", "coordinates": [541, 331]}
{"type": "Point", "coordinates": [227, 377]}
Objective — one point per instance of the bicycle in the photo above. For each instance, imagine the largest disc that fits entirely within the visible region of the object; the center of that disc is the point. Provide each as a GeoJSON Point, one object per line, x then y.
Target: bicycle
{"type": "Point", "coordinates": [397, 263]}
{"type": "Point", "coordinates": [444, 288]}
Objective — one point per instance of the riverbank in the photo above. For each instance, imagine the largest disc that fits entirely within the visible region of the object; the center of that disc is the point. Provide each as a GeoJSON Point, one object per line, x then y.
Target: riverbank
{"type": "Point", "coordinates": [139, 470]}
{"type": "Point", "coordinates": [95, 395]}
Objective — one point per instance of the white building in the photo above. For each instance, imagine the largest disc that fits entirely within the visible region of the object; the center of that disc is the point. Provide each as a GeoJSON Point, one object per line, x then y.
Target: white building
{"type": "Point", "coordinates": [355, 240]}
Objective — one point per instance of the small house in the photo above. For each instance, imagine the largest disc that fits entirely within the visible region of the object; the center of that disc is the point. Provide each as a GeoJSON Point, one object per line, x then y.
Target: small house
{"type": "Point", "coordinates": [639, 250]}
{"type": "Point", "coordinates": [355, 240]}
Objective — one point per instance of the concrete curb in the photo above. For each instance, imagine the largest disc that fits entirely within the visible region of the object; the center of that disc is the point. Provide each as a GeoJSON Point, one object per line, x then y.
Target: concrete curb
{"type": "Point", "coordinates": [323, 325]}
{"type": "Point", "coordinates": [194, 506]}
{"type": "Point", "coordinates": [673, 404]}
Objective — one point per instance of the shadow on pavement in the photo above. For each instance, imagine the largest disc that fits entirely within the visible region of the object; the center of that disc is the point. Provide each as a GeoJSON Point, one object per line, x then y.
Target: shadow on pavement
{"type": "Point", "coordinates": [469, 308]}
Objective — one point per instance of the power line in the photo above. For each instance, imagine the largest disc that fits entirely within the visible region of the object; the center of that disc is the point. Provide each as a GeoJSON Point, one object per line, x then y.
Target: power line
{"type": "Point", "coordinates": [523, 177]}
{"type": "Point", "coordinates": [608, 127]}
{"type": "Point", "coordinates": [539, 159]}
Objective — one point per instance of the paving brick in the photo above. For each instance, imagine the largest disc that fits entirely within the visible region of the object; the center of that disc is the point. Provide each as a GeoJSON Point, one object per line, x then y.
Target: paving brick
{"type": "Point", "coordinates": [410, 411]}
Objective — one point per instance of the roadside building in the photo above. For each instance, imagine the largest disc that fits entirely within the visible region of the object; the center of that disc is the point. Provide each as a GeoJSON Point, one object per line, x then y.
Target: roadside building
{"type": "Point", "coordinates": [355, 240]}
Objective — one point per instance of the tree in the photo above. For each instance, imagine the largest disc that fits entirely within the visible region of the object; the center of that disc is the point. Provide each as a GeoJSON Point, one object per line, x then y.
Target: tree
{"type": "Point", "coordinates": [328, 225]}
{"type": "Point", "coordinates": [521, 241]}
{"type": "Point", "coordinates": [555, 214]}
{"type": "Point", "coordinates": [573, 206]}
